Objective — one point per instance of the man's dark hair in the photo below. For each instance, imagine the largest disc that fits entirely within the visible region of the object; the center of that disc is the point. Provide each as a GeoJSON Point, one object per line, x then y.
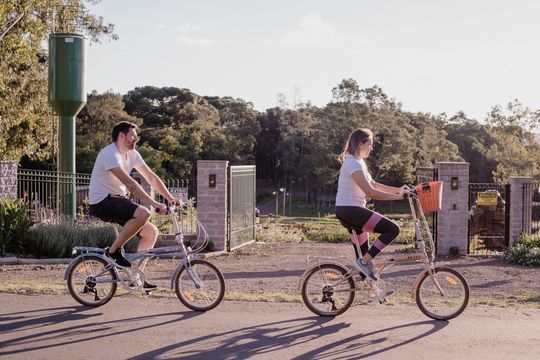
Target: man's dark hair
{"type": "Point", "coordinates": [121, 127]}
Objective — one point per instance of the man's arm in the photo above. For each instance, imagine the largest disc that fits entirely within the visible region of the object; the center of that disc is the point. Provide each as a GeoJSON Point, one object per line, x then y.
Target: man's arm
{"type": "Point", "coordinates": [133, 186]}
{"type": "Point", "coordinates": [154, 181]}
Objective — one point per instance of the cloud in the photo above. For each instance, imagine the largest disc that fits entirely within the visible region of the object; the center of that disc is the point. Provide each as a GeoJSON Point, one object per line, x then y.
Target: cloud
{"type": "Point", "coordinates": [312, 29]}
{"type": "Point", "coordinates": [193, 41]}
{"type": "Point", "coordinates": [188, 28]}
{"type": "Point", "coordinates": [189, 37]}
{"type": "Point", "coordinates": [160, 26]}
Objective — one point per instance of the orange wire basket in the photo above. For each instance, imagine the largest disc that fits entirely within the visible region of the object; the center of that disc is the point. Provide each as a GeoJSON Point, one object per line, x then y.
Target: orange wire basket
{"type": "Point", "coordinates": [430, 195]}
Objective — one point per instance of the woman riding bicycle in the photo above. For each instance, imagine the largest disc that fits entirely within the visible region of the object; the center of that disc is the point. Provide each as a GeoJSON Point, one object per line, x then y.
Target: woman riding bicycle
{"type": "Point", "coordinates": [355, 184]}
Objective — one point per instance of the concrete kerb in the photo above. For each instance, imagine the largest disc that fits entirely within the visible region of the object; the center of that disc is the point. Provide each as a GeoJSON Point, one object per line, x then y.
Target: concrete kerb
{"type": "Point", "coordinates": [24, 261]}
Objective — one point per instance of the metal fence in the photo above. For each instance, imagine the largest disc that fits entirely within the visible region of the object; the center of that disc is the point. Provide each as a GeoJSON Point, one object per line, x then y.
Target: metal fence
{"type": "Point", "coordinates": [488, 223]}
{"type": "Point", "coordinates": [47, 193]}
{"type": "Point", "coordinates": [241, 220]}
{"type": "Point", "coordinates": [531, 210]}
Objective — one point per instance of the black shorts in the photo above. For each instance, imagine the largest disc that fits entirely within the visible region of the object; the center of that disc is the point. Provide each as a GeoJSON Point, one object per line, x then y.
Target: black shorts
{"type": "Point", "coordinates": [114, 209]}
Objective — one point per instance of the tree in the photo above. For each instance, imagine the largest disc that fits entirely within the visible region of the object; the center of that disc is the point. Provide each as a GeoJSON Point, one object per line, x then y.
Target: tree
{"type": "Point", "coordinates": [24, 26]}
{"type": "Point", "coordinates": [473, 141]}
{"type": "Point", "coordinates": [94, 126]}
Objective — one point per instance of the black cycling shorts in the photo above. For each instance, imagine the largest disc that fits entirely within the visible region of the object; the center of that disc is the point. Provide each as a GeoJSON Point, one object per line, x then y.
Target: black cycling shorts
{"type": "Point", "coordinates": [114, 209]}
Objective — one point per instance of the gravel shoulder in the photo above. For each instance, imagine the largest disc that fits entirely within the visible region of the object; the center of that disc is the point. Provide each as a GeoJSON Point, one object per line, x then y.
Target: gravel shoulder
{"type": "Point", "coordinates": [270, 272]}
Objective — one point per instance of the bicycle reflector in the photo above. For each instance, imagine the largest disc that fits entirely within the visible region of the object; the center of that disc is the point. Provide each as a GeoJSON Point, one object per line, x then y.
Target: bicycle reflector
{"type": "Point", "coordinates": [330, 276]}
{"type": "Point", "coordinates": [451, 281]}
{"type": "Point", "coordinates": [430, 195]}
{"type": "Point", "coordinates": [188, 295]}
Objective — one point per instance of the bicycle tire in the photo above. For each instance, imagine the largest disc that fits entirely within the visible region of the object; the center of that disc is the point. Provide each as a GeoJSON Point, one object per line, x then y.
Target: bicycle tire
{"type": "Point", "coordinates": [83, 288]}
{"type": "Point", "coordinates": [209, 295]}
{"type": "Point", "coordinates": [325, 291]}
{"type": "Point", "coordinates": [447, 306]}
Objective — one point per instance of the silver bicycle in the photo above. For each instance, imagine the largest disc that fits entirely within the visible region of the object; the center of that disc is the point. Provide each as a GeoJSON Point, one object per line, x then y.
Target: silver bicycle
{"type": "Point", "coordinates": [92, 277]}
{"type": "Point", "coordinates": [328, 288]}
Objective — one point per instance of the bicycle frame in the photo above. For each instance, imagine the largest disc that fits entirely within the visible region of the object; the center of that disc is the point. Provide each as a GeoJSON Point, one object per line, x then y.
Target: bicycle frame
{"type": "Point", "coordinates": [420, 225]}
{"type": "Point", "coordinates": [185, 254]}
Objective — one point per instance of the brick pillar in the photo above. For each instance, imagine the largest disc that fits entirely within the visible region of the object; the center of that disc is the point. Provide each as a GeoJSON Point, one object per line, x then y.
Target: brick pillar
{"type": "Point", "coordinates": [8, 179]}
{"type": "Point", "coordinates": [453, 218]}
{"type": "Point", "coordinates": [212, 201]}
{"type": "Point", "coordinates": [517, 222]}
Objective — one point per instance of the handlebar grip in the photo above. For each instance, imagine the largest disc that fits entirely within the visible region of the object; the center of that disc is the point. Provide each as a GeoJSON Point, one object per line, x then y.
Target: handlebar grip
{"type": "Point", "coordinates": [167, 210]}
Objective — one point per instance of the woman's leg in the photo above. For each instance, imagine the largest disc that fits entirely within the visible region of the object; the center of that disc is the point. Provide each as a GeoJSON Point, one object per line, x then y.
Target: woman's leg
{"type": "Point", "coordinates": [388, 229]}
{"type": "Point", "coordinates": [360, 242]}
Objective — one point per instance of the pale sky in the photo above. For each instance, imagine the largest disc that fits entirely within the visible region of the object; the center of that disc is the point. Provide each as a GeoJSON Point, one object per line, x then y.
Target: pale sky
{"type": "Point", "coordinates": [433, 56]}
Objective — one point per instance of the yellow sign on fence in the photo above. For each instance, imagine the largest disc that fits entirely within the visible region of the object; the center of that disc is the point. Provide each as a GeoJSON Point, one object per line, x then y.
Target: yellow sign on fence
{"type": "Point", "coordinates": [487, 198]}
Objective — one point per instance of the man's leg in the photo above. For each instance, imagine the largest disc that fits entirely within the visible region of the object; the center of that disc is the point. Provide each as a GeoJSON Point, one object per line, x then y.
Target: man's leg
{"type": "Point", "coordinates": [131, 227]}
{"type": "Point", "coordinates": [148, 234]}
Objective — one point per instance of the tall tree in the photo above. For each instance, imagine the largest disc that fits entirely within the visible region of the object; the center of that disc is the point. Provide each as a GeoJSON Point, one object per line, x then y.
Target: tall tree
{"type": "Point", "coordinates": [94, 126]}
{"type": "Point", "coordinates": [24, 26]}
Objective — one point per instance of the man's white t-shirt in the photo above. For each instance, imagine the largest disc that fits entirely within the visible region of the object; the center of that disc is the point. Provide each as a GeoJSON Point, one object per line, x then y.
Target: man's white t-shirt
{"type": "Point", "coordinates": [349, 193]}
{"type": "Point", "coordinates": [103, 182]}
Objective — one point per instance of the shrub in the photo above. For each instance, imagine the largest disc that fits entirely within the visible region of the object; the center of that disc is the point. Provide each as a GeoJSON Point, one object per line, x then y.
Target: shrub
{"type": "Point", "coordinates": [524, 252]}
{"type": "Point", "coordinates": [453, 251]}
{"type": "Point", "coordinates": [57, 240]}
{"type": "Point", "coordinates": [14, 225]}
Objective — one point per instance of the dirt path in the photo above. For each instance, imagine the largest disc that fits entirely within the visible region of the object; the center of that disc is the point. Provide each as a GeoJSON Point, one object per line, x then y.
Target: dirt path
{"type": "Point", "coordinates": [270, 272]}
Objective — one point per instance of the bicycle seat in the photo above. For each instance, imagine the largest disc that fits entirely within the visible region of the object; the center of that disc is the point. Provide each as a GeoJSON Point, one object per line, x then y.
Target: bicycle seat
{"type": "Point", "coordinates": [350, 227]}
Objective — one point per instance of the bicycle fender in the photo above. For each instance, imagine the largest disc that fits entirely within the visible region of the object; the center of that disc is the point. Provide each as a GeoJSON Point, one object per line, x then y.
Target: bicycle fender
{"type": "Point", "coordinates": [304, 275]}
{"type": "Point", "coordinates": [101, 256]}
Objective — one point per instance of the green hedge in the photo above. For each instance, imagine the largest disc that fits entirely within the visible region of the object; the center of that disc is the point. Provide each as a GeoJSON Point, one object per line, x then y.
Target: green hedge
{"type": "Point", "coordinates": [524, 252]}
{"type": "Point", "coordinates": [57, 240]}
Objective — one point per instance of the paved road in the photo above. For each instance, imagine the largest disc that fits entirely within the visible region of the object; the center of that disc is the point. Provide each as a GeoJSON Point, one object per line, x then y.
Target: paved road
{"type": "Point", "coordinates": [53, 327]}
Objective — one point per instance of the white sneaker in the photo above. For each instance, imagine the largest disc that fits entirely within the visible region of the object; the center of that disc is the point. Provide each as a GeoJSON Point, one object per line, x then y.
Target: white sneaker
{"type": "Point", "coordinates": [366, 269]}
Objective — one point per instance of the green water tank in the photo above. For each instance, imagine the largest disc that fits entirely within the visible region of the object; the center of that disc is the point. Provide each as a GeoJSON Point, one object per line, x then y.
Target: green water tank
{"type": "Point", "coordinates": [67, 95]}
{"type": "Point", "coordinates": [67, 73]}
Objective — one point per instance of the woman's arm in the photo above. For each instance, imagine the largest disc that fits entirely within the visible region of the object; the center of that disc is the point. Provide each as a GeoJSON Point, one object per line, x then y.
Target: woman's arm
{"type": "Point", "coordinates": [367, 187]}
{"type": "Point", "coordinates": [385, 188]}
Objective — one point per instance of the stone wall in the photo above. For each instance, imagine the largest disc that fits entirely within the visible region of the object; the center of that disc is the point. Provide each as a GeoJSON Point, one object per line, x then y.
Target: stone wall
{"type": "Point", "coordinates": [8, 179]}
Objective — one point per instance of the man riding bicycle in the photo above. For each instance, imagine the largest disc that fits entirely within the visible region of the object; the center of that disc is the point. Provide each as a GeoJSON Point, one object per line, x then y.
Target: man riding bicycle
{"type": "Point", "coordinates": [110, 184]}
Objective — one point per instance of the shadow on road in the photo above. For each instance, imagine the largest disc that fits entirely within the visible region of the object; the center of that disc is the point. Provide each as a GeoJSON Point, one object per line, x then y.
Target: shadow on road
{"type": "Point", "coordinates": [92, 329]}
{"type": "Point", "coordinates": [262, 339]}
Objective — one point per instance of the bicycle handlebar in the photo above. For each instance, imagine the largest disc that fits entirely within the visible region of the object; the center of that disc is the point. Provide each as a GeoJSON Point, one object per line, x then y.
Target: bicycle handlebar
{"type": "Point", "coordinates": [171, 209]}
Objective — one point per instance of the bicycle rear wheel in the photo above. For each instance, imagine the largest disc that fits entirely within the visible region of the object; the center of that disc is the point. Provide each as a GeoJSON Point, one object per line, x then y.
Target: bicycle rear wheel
{"type": "Point", "coordinates": [200, 287]}
{"type": "Point", "coordinates": [328, 290]}
{"type": "Point", "coordinates": [91, 281]}
{"type": "Point", "coordinates": [443, 305]}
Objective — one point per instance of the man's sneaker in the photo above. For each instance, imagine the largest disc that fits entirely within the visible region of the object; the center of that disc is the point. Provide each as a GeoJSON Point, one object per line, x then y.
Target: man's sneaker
{"type": "Point", "coordinates": [118, 258]}
{"type": "Point", "coordinates": [366, 269]}
{"type": "Point", "coordinates": [149, 287]}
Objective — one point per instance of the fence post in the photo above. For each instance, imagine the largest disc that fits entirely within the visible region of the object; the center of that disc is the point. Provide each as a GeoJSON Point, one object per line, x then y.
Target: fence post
{"type": "Point", "coordinates": [518, 222]}
{"type": "Point", "coordinates": [8, 179]}
{"type": "Point", "coordinates": [453, 218]}
{"type": "Point", "coordinates": [212, 189]}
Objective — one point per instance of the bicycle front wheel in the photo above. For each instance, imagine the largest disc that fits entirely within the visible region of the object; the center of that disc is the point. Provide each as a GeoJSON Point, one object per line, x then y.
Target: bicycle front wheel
{"type": "Point", "coordinates": [91, 281]}
{"type": "Point", "coordinates": [328, 290]}
{"type": "Point", "coordinates": [200, 287]}
{"type": "Point", "coordinates": [444, 295]}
